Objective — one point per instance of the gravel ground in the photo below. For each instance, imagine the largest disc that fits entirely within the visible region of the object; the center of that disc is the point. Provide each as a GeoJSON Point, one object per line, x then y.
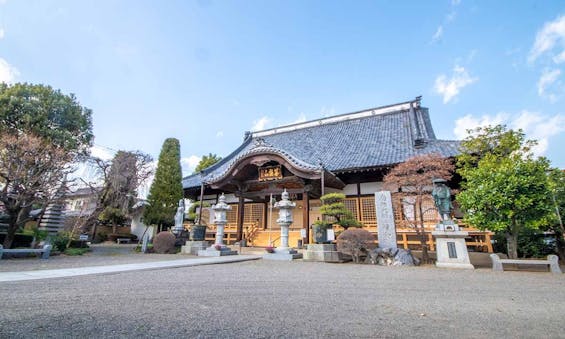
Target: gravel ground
{"type": "Point", "coordinates": [264, 299]}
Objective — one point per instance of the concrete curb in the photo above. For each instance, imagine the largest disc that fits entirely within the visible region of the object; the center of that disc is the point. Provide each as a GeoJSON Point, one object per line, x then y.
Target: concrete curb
{"type": "Point", "coordinates": [73, 272]}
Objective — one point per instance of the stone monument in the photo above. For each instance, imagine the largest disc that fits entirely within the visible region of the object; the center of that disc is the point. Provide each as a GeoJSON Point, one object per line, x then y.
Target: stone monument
{"type": "Point", "coordinates": [179, 219]}
{"type": "Point", "coordinates": [218, 248]}
{"type": "Point", "coordinates": [385, 220]}
{"type": "Point", "coordinates": [284, 252]}
{"type": "Point", "coordinates": [451, 249]}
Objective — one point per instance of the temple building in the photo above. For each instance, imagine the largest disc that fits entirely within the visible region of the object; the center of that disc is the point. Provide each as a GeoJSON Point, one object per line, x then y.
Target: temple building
{"type": "Point", "coordinates": [348, 153]}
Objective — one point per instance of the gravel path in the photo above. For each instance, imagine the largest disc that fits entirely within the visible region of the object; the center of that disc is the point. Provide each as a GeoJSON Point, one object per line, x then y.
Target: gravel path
{"type": "Point", "coordinates": [264, 299]}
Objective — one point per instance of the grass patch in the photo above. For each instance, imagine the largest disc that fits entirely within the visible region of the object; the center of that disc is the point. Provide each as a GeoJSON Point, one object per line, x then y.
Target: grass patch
{"type": "Point", "coordinates": [76, 251]}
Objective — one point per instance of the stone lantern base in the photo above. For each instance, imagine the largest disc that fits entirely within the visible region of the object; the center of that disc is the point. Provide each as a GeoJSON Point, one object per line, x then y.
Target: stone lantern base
{"type": "Point", "coordinates": [192, 247]}
{"type": "Point", "coordinates": [213, 252]}
{"type": "Point", "coordinates": [283, 255]}
{"type": "Point", "coordinates": [323, 252]}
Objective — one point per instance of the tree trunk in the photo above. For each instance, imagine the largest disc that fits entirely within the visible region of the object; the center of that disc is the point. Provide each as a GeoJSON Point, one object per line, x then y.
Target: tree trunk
{"type": "Point", "coordinates": [560, 244]}
{"type": "Point", "coordinates": [114, 227]}
{"type": "Point", "coordinates": [12, 228]}
{"type": "Point", "coordinates": [512, 244]}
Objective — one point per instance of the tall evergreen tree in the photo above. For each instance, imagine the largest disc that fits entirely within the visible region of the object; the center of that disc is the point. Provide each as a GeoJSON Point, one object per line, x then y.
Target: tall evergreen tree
{"type": "Point", "coordinates": [166, 190]}
{"type": "Point", "coordinates": [206, 161]}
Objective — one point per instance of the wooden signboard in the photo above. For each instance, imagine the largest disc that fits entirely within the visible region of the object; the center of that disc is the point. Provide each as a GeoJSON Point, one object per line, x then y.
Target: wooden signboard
{"type": "Point", "coordinates": [270, 173]}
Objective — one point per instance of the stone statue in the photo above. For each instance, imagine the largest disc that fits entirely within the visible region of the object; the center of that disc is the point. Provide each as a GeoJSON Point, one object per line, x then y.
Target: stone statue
{"type": "Point", "coordinates": [179, 218]}
{"type": "Point", "coordinates": [442, 198]}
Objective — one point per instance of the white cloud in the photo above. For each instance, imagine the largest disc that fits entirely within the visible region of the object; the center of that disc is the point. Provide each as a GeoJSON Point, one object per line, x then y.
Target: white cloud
{"type": "Point", "coordinates": [455, 2]}
{"type": "Point", "coordinates": [470, 122]}
{"type": "Point", "coordinates": [535, 125]}
{"type": "Point", "coordinates": [548, 79]}
{"type": "Point", "coordinates": [188, 164]}
{"type": "Point", "coordinates": [437, 35]}
{"type": "Point", "coordinates": [219, 134]}
{"type": "Point", "coordinates": [261, 124]}
{"type": "Point", "coordinates": [451, 16]}
{"type": "Point", "coordinates": [2, 33]}
{"type": "Point", "coordinates": [550, 36]}
{"type": "Point", "coordinates": [8, 73]}
{"type": "Point", "coordinates": [450, 88]}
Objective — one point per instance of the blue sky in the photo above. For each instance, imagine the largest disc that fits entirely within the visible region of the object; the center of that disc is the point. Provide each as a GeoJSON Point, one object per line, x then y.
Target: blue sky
{"type": "Point", "coordinates": [207, 71]}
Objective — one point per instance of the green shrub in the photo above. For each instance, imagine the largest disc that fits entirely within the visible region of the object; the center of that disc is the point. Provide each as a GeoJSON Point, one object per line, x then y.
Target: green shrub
{"type": "Point", "coordinates": [333, 207]}
{"type": "Point", "coordinates": [37, 234]}
{"type": "Point", "coordinates": [100, 237]}
{"type": "Point", "coordinates": [531, 244]}
{"type": "Point", "coordinates": [76, 251]}
{"type": "Point", "coordinates": [20, 240]}
{"type": "Point", "coordinates": [78, 244]}
{"type": "Point", "coordinates": [60, 241]}
{"type": "Point", "coordinates": [192, 215]}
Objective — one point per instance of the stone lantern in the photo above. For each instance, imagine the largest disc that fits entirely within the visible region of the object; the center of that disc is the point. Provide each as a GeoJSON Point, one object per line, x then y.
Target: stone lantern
{"type": "Point", "coordinates": [284, 252]}
{"type": "Point", "coordinates": [220, 220]}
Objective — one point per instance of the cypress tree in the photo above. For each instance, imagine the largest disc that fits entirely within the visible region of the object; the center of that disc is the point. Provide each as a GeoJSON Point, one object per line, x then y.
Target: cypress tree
{"type": "Point", "coordinates": [166, 189]}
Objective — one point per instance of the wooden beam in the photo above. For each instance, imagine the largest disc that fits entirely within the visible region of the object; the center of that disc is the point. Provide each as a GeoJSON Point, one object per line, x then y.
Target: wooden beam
{"type": "Point", "coordinates": [306, 216]}
{"type": "Point", "coordinates": [267, 192]}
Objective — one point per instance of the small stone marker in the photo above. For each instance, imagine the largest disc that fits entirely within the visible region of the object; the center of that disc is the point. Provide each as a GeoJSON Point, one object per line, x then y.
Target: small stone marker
{"type": "Point", "coordinates": [385, 220]}
{"type": "Point", "coordinates": [330, 235]}
{"type": "Point", "coordinates": [451, 249]}
{"type": "Point", "coordinates": [144, 243]}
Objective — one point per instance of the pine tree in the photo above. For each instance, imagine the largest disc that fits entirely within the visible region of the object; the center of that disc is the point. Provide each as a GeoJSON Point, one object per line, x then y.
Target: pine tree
{"type": "Point", "coordinates": [166, 190]}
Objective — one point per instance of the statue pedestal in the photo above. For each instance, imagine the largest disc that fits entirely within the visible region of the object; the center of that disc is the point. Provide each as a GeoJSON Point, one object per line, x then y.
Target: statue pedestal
{"type": "Point", "coordinates": [192, 247]}
{"type": "Point", "coordinates": [451, 249]}
{"type": "Point", "coordinates": [283, 254]}
{"type": "Point", "coordinates": [322, 252]}
{"type": "Point", "coordinates": [213, 252]}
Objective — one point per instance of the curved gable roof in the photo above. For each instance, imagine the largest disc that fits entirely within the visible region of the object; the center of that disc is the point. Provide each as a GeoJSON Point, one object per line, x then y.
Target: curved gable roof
{"type": "Point", "coordinates": [372, 138]}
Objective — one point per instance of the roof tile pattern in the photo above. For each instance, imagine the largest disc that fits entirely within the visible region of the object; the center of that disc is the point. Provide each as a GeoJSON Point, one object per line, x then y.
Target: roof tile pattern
{"type": "Point", "coordinates": [372, 141]}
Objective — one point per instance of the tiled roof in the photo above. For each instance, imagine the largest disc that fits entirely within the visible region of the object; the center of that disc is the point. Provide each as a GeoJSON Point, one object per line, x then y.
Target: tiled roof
{"type": "Point", "coordinates": [371, 138]}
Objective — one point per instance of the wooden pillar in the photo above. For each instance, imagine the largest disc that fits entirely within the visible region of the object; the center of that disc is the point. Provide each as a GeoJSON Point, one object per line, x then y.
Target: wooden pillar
{"type": "Point", "coordinates": [266, 213]}
{"type": "Point", "coordinates": [201, 203]}
{"type": "Point", "coordinates": [489, 243]}
{"type": "Point", "coordinates": [359, 214]}
{"type": "Point", "coordinates": [306, 216]}
{"type": "Point", "coordinates": [322, 181]}
{"type": "Point", "coordinates": [240, 216]}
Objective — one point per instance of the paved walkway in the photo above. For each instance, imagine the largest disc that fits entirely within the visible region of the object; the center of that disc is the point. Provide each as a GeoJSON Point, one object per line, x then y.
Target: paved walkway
{"type": "Point", "coordinates": [71, 272]}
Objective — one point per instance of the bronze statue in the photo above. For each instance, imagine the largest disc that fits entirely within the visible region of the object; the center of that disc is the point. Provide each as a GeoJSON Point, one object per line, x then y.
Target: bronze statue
{"type": "Point", "coordinates": [442, 198]}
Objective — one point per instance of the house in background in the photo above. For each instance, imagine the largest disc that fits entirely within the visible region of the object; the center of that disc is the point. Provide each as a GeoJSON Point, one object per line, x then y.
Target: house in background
{"type": "Point", "coordinates": [349, 153]}
{"type": "Point", "coordinates": [81, 201]}
{"type": "Point", "coordinates": [138, 226]}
